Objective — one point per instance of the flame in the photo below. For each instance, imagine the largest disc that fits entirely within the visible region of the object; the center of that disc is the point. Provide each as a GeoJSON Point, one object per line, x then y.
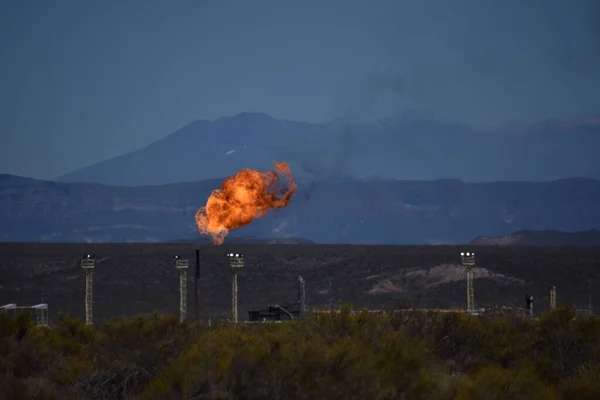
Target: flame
{"type": "Point", "coordinates": [243, 198]}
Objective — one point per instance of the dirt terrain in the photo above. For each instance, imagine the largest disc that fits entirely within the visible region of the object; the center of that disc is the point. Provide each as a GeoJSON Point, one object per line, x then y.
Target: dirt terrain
{"type": "Point", "coordinates": [139, 278]}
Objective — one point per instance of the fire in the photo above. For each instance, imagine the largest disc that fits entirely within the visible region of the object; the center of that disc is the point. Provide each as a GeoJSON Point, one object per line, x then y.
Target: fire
{"type": "Point", "coordinates": [243, 198]}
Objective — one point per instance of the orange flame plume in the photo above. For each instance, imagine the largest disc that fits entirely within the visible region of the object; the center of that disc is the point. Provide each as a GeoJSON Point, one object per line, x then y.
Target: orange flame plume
{"type": "Point", "coordinates": [243, 198]}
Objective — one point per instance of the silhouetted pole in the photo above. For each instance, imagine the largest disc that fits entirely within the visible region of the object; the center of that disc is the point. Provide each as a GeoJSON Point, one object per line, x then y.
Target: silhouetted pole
{"type": "Point", "coordinates": [197, 287]}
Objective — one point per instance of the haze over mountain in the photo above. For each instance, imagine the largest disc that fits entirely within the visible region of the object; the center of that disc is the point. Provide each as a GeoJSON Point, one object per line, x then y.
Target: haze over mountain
{"type": "Point", "coordinates": [412, 146]}
{"type": "Point", "coordinates": [336, 210]}
{"type": "Point", "coordinates": [86, 81]}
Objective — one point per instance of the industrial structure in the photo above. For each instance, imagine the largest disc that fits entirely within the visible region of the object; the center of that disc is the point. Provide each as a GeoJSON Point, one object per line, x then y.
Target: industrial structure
{"type": "Point", "coordinates": [39, 310]}
{"type": "Point", "coordinates": [529, 304]}
{"type": "Point", "coordinates": [236, 262]}
{"type": "Point", "coordinates": [282, 312]}
{"type": "Point", "coordinates": [295, 308]}
{"type": "Point", "coordinates": [87, 264]}
{"type": "Point", "coordinates": [273, 312]}
{"type": "Point", "coordinates": [468, 262]}
{"type": "Point", "coordinates": [182, 267]}
{"type": "Point", "coordinates": [8, 307]}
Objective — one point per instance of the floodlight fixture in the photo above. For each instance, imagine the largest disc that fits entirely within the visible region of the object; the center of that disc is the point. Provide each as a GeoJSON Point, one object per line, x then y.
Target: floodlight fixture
{"type": "Point", "coordinates": [236, 261]}
{"type": "Point", "coordinates": [467, 259]}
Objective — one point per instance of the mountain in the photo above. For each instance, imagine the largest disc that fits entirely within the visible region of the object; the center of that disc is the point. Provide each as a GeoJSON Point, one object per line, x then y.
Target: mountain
{"type": "Point", "coordinates": [200, 150]}
{"type": "Point", "coordinates": [412, 146]}
{"type": "Point", "coordinates": [334, 210]}
{"type": "Point", "coordinates": [542, 238]}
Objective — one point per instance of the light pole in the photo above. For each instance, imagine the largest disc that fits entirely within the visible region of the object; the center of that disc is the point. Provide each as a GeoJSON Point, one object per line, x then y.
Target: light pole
{"type": "Point", "coordinates": [182, 267]}
{"type": "Point", "coordinates": [301, 296]}
{"type": "Point", "coordinates": [468, 262]}
{"type": "Point", "coordinates": [88, 264]}
{"type": "Point", "coordinates": [236, 262]}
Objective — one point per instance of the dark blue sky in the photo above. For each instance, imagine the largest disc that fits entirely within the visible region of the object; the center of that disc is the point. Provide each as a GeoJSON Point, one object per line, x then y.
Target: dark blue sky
{"type": "Point", "coordinates": [82, 81]}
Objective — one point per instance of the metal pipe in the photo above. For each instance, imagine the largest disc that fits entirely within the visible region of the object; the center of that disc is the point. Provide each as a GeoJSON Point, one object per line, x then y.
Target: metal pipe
{"type": "Point", "coordinates": [285, 311]}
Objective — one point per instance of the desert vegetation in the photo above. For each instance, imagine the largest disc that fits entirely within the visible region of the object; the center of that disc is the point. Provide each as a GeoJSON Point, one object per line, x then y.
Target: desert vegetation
{"type": "Point", "coordinates": [345, 355]}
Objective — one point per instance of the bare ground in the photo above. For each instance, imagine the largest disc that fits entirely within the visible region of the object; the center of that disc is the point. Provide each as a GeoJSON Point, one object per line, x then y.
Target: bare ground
{"type": "Point", "coordinates": [139, 278]}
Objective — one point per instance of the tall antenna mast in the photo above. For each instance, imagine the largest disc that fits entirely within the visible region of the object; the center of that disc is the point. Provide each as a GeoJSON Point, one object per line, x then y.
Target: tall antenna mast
{"type": "Point", "coordinates": [87, 264]}
{"type": "Point", "coordinates": [236, 262]}
{"type": "Point", "coordinates": [468, 262]}
{"type": "Point", "coordinates": [182, 266]}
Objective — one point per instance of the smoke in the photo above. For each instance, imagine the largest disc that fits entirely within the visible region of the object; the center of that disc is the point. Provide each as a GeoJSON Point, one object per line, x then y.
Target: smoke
{"type": "Point", "coordinates": [483, 62]}
{"type": "Point", "coordinates": [478, 63]}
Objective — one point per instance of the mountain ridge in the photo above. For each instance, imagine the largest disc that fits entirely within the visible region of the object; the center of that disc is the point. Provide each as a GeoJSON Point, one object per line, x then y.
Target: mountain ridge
{"type": "Point", "coordinates": [409, 146]}
{"type": "Point", "coordinates": [332, 210]}
{"type": "Point", "coordinates": [548, 237]}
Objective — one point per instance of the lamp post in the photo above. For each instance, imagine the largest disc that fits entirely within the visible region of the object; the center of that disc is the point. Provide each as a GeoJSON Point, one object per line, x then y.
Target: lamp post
{"type": "Point", "coordinates": [236, 262]}
{"type": "Point", "coordinates": [468, 262]}
{"type": "Point", "coordinates": [182, 267]}
{"type": "Point", "coordinates": [88, 264]}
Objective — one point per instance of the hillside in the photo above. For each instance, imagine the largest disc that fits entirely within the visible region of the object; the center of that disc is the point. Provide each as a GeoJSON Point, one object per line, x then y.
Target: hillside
{"type": "Point", "coordinates": [542, 238]}
{"type": "Point", "coordinates": [411, 146]}
{"type": "Point", "coordinates": [332, 211]}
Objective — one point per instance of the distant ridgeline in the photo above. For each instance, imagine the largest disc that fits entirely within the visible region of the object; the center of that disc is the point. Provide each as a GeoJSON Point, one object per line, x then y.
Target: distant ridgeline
{"type": "Point", "coordinates": [331, 211]}
{"type": "Point", "coordinates": [542, 238]}
{"type": "Point", "coordinates": [247, 240]}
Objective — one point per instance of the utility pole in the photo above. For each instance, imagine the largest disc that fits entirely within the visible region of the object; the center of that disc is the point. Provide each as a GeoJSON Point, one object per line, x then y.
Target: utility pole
{"type": "Point", "coordinates": [88, 264]}
{"type": "Point", "coordinates": [468, 262]}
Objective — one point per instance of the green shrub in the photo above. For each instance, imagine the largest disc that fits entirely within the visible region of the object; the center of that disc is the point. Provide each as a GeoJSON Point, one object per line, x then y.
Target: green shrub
{"type": "Point", "coordinates": [416, 355]}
